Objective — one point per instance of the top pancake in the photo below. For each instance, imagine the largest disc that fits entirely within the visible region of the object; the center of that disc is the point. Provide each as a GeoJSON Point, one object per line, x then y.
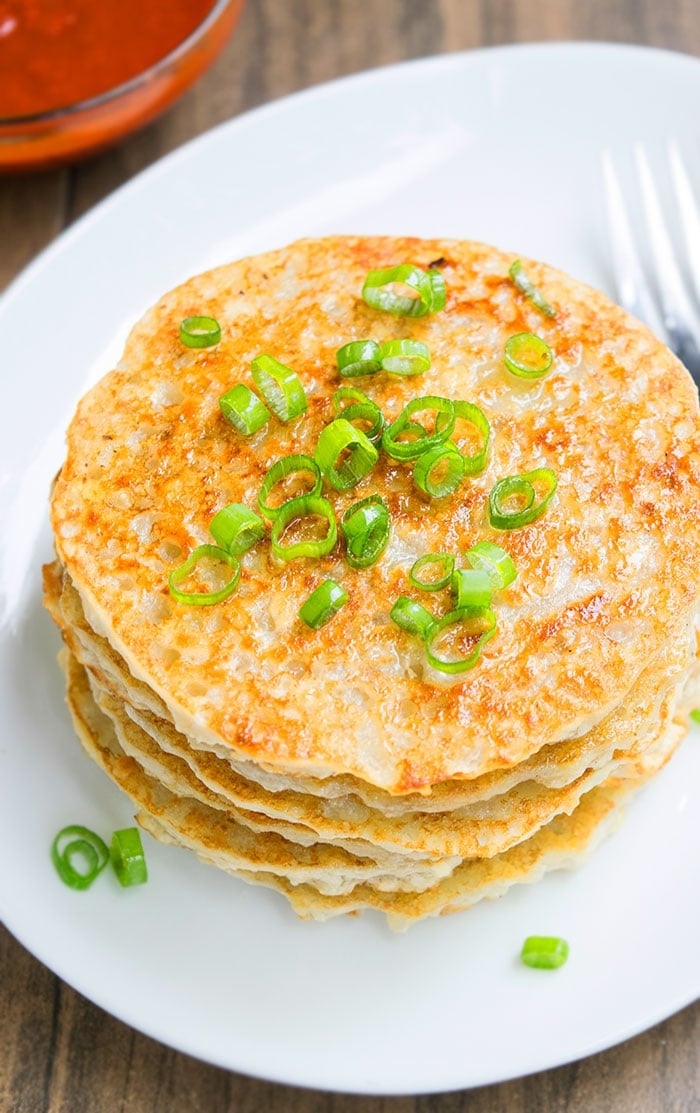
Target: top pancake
{"type": "Point", "coordinates": [604, 576]}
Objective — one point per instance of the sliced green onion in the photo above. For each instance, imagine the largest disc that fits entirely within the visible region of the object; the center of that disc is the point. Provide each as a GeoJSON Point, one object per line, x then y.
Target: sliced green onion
{"type": "Point", "coordinates": [522, 489]}
{"type": "Point", "coordinates": [412, 616]}
{"type": "Point", "coordinates": [244, 409]}
{"type": "Point", "coordinates": [442, 566]}
{"type": "Point", "coordinates": [280, 387]}
{"type": "Point", "coordinates": [350, 395]}
{"type": "Point", "coordinates": [200, 332]}
{"type": "Point", "coordinates": [527, 356]}
{"type": "Point", "coordinates": [467, 411]}
{"type": "Point", "coordinates": [366, 526]}
{"type": "Point", "coordinates": [378, 293]}
{"type": "Point", "coordinates": [78, 855]}
{"type": "Point", "coordinates": [479, 625]}
{"type": "Point", "coordinates": [405, 357]}
{"type": "Point", "coordinates": [323, 604]}
{"type": "Point", "coordinates": [471, 588]}
{"type": "Point", "coordinates": [695, 714]}
{"type": "Point", "coordinates": [308, 506]}
{"type": "Point", "coordinates": [531, 292]}
{"type": "Point", "coordinates": [204, 598]}
{"type": "Point", "coordinates": [236, 529]}
{"type": "Point", "coordinates": [128, 858]}
{"type": "Point", "coordinates": [544, 952]}
{"type": "Point", "coordinates": [280, 470]}
{"type": "Point", "coordinates": [359, 357]}
{"type": "Point", "coordinates": [493, 560]}
{"type": "Point", "coordinates": [410, 450]}
{"type": "Point", "coordinates": [439, 471]}
{"type": "Point", "coordinates": [344, 454]}
{"type": "Point", "coordinates": [439, 292]}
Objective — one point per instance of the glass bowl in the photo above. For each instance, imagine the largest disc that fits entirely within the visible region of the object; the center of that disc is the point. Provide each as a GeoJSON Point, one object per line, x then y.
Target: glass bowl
{"type": "Point", "coordinates": [67, 134]}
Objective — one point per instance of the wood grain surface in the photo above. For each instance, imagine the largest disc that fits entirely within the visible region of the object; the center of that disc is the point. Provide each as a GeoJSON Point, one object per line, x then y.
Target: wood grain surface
{"type": "Point", "coordinates": [58, 1052]}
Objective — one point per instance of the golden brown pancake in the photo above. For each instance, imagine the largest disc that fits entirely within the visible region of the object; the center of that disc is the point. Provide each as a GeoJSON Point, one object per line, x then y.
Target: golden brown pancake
{"type": "Point", "coordinates": [341, 745]}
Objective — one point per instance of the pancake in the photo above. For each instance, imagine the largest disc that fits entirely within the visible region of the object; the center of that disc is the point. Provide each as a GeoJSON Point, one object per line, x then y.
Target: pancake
{"type": "Point", "coordinates": [335, 764]}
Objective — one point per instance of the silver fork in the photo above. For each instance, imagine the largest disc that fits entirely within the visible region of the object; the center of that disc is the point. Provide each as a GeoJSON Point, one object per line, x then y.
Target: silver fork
{"type": "Point", "coordinates": [676, 320]}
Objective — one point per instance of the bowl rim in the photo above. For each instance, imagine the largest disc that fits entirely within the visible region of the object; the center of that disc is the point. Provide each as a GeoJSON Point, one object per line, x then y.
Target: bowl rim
{"type": "Point", "coordinates": [74, 109]}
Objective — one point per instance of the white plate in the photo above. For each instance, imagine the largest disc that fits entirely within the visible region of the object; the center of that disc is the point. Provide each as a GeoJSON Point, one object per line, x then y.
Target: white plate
{"type": "Point", "coordinates": [500, 145]}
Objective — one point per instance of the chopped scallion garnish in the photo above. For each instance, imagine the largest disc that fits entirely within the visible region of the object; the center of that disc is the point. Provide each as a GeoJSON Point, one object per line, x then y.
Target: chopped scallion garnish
{"type": "Point", "coordinates": [412, 616]}
{"type": "Point", "coordinates": [323, 604]}
{"type": "Point", "coordinates": [531, 292]}
{"type": "Point", "coordinates": [200, 332]}
{"type": "Point", "coordinates": [128, 858]}
{"type": "Point", "coordinates": [78, 855]}
{"type": "Point", "coordinates": [492, 559]}
{"type": "Point", "coordinates": [527, 356]}
{"type": "Point", "coordinates": [405, 357]}
{"type": "Point", "coordinates": [476, 624]}
{"type": "Point", "coordinates": [544, 952]}
{"type": "Point", "coordinates": [474, 462]}
{"type": "Point", "coordinates": [344, 454]}
{"type": "Point", "coordinates": [280, 387]}
{"type": "Point", "coordinates": [236, 529]}
{"type": "Point", "coordinates": [423, 441]}
{"type": "Point", "coordinates": [204, 598]}
{"type": "Point", "coordinates": [439, 471]}
{"type": "Point", "coordinates": [432, 571]}
{"type": "Point", "coordinates": [695, 714]}
{"type": "Point", "coordinates": [366, 526]}
{"type": "Point", "coordinates": [471, 588]}
{"type": "Point", "coordinates": [243, 409]}
{"type": "Point", "coordinates": [281, 470]}
{"type": "Point", "coordinates": [380, 293]}
{"type": "Point", "coordinates": [297, 510]}
{"type": "Point", "coordinates": [514, 501]}
{"type": "Point", "coordinates": [359, 357]}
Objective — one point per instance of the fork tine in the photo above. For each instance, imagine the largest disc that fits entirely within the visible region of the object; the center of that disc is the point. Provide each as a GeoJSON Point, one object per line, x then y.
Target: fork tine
{"type": "Point", "coordinates": [679, 316]}
{"type": "Point", "coordinates": [632, 287]}
{"type": "Point", "coordinates": [690, 217]}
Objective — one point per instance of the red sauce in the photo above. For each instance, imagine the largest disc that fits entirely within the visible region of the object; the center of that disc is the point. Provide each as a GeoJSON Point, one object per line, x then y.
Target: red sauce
{"type": "Point", "coordinates": [56, 53]}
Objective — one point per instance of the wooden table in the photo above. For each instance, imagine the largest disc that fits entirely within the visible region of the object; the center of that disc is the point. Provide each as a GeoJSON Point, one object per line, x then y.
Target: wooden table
{"type": "Point", "coordinates": [58, 1052]}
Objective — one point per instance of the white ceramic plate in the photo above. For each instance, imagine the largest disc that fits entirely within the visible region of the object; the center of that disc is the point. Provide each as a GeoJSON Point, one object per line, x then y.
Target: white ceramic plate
{"type": "Point", "coordinates": [500, 145]}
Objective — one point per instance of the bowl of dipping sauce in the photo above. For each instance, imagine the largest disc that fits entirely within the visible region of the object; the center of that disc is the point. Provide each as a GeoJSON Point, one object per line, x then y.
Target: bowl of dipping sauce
{"type": "Point", "coordinates": [76, 76]}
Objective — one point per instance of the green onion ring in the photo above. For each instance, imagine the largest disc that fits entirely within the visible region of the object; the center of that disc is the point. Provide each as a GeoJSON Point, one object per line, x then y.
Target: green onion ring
{"type": "Point", "coordinates": [527, 356]}
{"type": "Point", "coordinates": [366, 526]}
{"type": "Point", "coordinates": [243, 409]}
{"type": "Point", "coordinates": [73, 844]}
{"type": "Point", "coordinates": [338, 438]}
{"type": "Point", "coordinates": [448, 563]}
{"type": "Point", "coordinates": [236, 529]}
{"type": "Point", "coordinates": [410, 450]}
{"type": "Point", "coordinates": [323, 604]}
{"type": "Point", "coordinates": [200, 332]}
{"type": "Point", "coordinates": [128, 858]}
{"type": "Point", "coordinates": [411, 616]}
{"type": "Point", "coordinates": [349, 394]}
{"type": "Point", "coordinates": [467, 411]}
{"type": "Point", "coordinates": [436, 458]}
{"type": "Point", "coordinates": [369, 412]}
{"type": "Point", "coordinates": [482, 615]}
{"type": "Point", "coordinates": [531, 292]}
{"type": "Point", "coordinates": [544, 952]}
{"type": "Point", "coordinates": [492, 559]}
{"type": "Point", "coordinates": [471, 587]}
{"type": "Point", "coordinates": [304, 507]}
{"type": "Point", "coordinates": [280, 387]}
{"type": "Point", "coordinates": [405, 357]}
{"type": "Point", "coordinates": [522, 487]}
{"type": "Point", "coordinates": [695, 714]}
{"type": "Point", "coordinates": [378, 294]}
{"type": "Point", "coordinates": [288, 465]}
{"type": "Point", "coordinates": [204, 598]}
{"type": "Point", "coordinates": [359, 357]}
{"type": "Point", "coordinates": [439, 291]}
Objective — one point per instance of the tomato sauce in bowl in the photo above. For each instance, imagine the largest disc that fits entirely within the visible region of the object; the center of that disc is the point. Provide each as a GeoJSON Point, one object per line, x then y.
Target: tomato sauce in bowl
{"type": "Point", "coordinates": [77, 75]}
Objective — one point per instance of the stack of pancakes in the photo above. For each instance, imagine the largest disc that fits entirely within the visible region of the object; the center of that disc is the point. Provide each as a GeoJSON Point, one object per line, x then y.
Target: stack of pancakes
{"type": "Point", "coordinates": [334, 765]}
